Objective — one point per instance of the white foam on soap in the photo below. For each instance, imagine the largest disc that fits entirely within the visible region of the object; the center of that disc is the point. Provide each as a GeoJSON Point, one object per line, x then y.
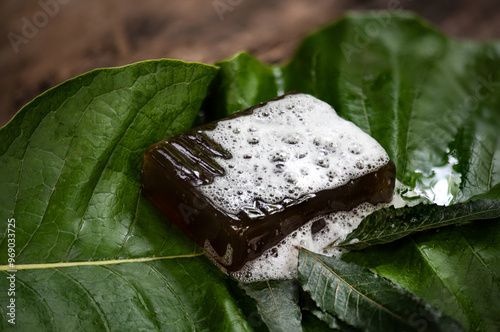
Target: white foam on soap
{"type": "Point", "coordinates": [288, 148]}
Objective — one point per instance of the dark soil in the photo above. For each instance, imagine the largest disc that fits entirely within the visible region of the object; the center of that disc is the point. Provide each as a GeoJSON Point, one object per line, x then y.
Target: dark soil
{"type": "Point", "coordinates": [83, 35]}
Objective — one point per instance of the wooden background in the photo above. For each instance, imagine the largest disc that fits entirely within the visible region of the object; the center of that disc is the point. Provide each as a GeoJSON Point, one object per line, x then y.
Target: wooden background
{"type": "Point", "coordinates": [83, 35]}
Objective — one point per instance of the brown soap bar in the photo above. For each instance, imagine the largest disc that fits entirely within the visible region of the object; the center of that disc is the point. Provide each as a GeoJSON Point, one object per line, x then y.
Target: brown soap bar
{"type": "Point", "coordinates": [240, 185]}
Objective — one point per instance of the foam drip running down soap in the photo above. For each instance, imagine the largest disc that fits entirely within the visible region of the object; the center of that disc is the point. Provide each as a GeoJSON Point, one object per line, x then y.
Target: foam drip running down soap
{"type": "Point", "coordinates": [285, 173]}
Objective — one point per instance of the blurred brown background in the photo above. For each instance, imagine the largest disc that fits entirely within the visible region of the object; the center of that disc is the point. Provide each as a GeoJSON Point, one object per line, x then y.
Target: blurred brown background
{"type": "Point", "coordinates": [74, 37]}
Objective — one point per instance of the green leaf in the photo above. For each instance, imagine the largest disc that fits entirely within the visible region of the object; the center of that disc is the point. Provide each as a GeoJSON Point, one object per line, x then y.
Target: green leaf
{"type": "Point", "coordinates": [70, 168]}
{"type": "Point", "coordinates": [277, 303]}
{"type": "Point", "coordinates": [364, 300]}
{"type": "Point", "coordinates": [70, 162]}
{"type": "Point", "coordinates": [390, 224]}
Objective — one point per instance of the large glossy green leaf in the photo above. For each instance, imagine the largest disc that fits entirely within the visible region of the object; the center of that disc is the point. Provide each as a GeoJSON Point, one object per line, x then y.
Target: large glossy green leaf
{"type": "Point", "coordinates": [70, 162]}
{"type": "Point", "coordinates": [70, 167]}
{"type": "Point", "coordinates": [434, 104]}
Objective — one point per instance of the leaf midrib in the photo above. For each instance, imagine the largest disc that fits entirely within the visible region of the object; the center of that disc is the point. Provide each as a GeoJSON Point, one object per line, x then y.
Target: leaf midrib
{"type": "Point", "coordinates": [98, 263]}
